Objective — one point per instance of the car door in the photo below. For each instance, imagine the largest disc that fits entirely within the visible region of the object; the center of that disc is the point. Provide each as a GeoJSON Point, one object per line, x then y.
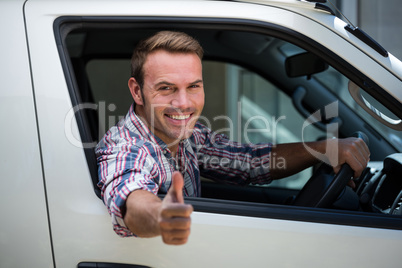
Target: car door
{"type": "Point", "coordinates": [68, 40]}
{"type": "Point", "coordinates": [24, 230]}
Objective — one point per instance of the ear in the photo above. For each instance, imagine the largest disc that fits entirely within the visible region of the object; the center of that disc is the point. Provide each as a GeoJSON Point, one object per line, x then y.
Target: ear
{"type": "Point", "coordinates": [135, 91]}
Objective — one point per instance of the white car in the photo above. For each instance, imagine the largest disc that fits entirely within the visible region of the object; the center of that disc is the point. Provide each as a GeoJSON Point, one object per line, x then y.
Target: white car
{"type": "Point", "coordinates": [278, 71]}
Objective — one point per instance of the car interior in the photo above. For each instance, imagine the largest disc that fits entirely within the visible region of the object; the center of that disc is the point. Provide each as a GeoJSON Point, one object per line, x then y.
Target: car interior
{"type": "Point", "coordinates": [264, 72]}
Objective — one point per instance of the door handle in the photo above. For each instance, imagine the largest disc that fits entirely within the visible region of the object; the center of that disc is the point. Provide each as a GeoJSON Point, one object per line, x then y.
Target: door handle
{"type": "Point", "coordinates": [108, 265]}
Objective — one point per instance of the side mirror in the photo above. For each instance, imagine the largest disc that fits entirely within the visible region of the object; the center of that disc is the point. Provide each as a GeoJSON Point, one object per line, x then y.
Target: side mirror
{"type": "Point", "coordinates": [304, 64]}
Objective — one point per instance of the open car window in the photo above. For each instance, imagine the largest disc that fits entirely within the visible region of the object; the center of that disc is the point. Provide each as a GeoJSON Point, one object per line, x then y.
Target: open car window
{"type": "Point", "coordinates": [260, 85]}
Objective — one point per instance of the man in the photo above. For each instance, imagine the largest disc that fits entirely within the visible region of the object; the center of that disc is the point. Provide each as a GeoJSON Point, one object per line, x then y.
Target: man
{"type": "Point", "coordinates": [160, 147]}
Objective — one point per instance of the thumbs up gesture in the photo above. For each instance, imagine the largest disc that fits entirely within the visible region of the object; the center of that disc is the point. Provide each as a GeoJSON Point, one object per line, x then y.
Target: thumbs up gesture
{"type": "Point", "coordinates": [174, 217]}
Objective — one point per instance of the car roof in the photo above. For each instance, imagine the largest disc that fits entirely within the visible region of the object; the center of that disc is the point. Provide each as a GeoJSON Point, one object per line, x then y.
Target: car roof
{"type": "Point", "coordinates": [314, 10]}
{"type": "Point", "coordinates": [299, 4]}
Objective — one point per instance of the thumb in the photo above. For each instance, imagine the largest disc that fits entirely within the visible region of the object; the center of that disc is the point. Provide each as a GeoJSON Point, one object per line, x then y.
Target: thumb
{"type": "Point", "coordinates": [176, 188]}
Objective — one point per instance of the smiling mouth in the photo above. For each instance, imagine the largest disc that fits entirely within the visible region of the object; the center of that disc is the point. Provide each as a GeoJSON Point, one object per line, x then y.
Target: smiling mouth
{"type": "Point", "coordinates": [179, 117]}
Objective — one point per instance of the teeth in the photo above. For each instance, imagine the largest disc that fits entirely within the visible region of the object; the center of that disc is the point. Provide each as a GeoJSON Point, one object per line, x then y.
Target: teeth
{"type": "Point", "coordinates": [179, 117]}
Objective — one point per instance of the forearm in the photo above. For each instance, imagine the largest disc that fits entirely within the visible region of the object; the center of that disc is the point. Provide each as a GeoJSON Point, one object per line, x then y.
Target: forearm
{"type": "Point", "coordinates": [291, 158]}
{"type": "Point", "coordinates": [297, 156]}
{"type": "Point", "coordinates": [142, 213]}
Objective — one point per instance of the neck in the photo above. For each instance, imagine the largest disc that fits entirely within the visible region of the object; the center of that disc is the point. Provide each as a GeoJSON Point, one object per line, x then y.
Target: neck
{"type": "Point", "coordinates": [173, 150]}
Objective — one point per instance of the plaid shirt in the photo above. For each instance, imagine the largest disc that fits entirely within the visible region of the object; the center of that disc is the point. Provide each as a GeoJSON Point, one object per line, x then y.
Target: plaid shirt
{"type": "Point", "coordinates": [130, 157]}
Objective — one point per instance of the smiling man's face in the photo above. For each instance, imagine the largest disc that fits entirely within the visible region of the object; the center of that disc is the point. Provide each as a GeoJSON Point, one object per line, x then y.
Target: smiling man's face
{"type": "Point", "coordinates": [172, 98]}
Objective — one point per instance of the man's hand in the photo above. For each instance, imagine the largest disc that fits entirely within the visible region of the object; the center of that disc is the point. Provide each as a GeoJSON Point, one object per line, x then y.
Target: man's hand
{"type": "Point", "coordinates": [174, 217]}
{"type": "Point", "coordinates": [354, 152]}
{"type": "Point", "coordinates": [148, 216]}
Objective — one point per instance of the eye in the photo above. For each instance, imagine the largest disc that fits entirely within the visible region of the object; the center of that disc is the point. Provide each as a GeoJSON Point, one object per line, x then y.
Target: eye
{"type": "Point", "coordinates": [165, 88]}
{"type": "Point", "coordinates": [195, 86]}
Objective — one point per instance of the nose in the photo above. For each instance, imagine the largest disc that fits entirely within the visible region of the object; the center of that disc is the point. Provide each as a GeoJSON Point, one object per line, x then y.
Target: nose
{"type": "Point", "coordinates": [181, 99]}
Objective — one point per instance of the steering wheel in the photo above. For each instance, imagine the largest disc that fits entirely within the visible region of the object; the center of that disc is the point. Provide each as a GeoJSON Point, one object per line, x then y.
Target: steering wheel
{"type": "Point", "coordinates": [323, 188]}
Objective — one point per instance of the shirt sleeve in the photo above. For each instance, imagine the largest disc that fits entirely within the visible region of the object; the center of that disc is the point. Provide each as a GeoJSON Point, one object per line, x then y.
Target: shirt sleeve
{"type": "Point", "coordinates": [231, 162]}
{"type": "Point", "coordinates": [122, 169]}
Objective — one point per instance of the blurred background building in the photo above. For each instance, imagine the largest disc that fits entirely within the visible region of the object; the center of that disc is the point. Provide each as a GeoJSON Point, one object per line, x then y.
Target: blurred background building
{"type": "Point", "coordinates": [381, 19]}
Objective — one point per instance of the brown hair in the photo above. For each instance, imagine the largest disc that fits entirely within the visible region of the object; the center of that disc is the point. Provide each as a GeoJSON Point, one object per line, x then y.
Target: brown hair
{"type": "Point", "coordinates": [174, 42]}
